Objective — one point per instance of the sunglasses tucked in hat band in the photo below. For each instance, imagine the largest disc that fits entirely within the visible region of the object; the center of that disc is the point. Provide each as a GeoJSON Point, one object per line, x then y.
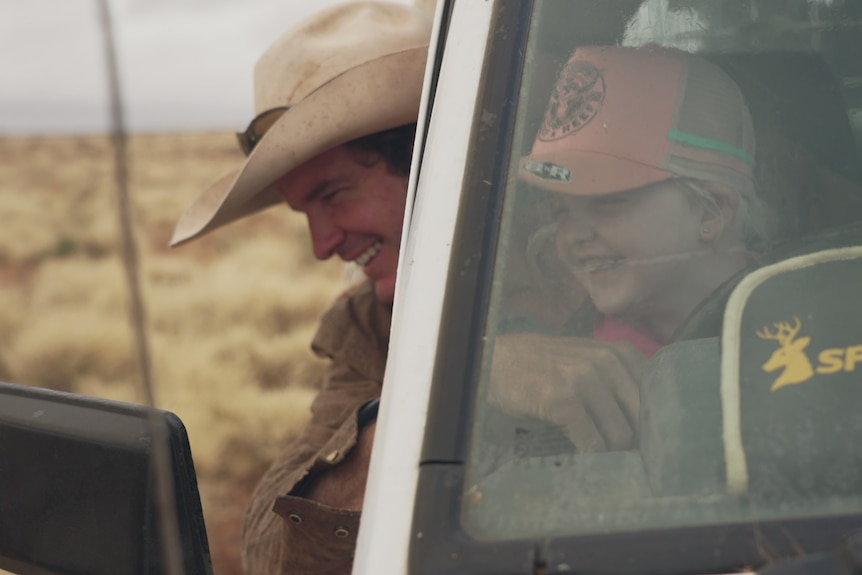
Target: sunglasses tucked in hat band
{"type": "Point", "coordinates": [348, 71]}
{"type": "Point", "coordinates": [258, 127]}
{"type": "Point", "coordinates": [624, 118]}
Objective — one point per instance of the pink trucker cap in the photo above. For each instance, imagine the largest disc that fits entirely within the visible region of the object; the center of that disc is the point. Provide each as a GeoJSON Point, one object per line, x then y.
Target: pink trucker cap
{"type": "Point", "coordinates": [622, 118]}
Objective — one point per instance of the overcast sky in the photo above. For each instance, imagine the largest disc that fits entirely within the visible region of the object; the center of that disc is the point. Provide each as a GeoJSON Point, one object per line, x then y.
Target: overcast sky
{"type": "Point", "coordinates": [184, 64]}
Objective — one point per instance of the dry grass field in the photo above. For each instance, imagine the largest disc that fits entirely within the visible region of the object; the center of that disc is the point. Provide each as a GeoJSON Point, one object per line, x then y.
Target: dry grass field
{"type": "Point", "coordinates": [230, 316]}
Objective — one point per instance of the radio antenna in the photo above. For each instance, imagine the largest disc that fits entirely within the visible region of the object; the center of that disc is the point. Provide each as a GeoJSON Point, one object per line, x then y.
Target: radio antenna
{"type": "Point", "coordinates": [165, 501]}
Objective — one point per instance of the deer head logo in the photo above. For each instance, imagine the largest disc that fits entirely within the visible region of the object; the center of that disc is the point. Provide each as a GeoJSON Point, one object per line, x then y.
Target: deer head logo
{"type": "Point", "coordinates": [790, 356]}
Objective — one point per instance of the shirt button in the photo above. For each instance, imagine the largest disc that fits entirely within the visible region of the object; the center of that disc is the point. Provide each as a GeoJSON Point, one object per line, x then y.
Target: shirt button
{"type": "Point", "coordinates": [295, 518]}
{"type": "Point", "coordinates": [332, 456]}
{"type": "Point", "coordinates": [341, 532]}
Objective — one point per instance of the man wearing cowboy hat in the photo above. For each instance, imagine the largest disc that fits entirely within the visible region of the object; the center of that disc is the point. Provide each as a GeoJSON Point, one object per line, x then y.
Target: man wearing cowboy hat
{"type": "Point", "coordinates": [337, 100]}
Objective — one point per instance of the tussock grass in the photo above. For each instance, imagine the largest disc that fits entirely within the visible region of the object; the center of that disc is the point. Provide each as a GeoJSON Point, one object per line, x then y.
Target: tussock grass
{"type": "Point", "coordinates": [38, 223]}
{"type": "Point", "coordinates": [87, 284]}
{"type": "Point", "coordinates": [230, 317]}
{"type": "Point", "coordinates": [56, 351]}
{"type": "Point", "coordinates": [12, 315]}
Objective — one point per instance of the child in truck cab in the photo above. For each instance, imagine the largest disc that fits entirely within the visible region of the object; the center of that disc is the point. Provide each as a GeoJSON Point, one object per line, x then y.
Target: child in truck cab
{"type": "Point", "coordinates": [648, 155]}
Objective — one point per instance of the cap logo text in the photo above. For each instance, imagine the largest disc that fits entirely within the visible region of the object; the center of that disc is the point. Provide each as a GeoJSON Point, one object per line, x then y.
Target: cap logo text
{"type": "Point", "coordinates": [549, 171]}
{"type": "Point", "coordinates": [577, 97]}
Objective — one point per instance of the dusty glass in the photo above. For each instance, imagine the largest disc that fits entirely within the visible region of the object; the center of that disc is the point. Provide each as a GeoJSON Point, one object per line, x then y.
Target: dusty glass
{"type": "Point", "coordinates": [673, 333]}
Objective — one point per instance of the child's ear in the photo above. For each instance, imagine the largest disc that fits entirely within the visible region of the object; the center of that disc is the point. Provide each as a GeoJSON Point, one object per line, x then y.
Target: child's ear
{"type": "Point", "coordinates": [719, 213]}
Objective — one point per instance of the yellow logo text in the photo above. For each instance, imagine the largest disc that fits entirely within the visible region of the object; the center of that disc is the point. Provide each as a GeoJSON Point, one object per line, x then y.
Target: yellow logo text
{"type": "Point", "coordinates": [791, 357]}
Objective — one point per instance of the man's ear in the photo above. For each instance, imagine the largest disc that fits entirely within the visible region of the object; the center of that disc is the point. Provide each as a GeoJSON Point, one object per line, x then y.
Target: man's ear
{"type": "Point", "coordinates": [718, 212]}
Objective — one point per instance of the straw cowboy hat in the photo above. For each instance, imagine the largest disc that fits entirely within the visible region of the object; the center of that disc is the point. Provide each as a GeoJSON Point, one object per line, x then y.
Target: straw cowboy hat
{"type": "Point", "coordinates": [348, 71]}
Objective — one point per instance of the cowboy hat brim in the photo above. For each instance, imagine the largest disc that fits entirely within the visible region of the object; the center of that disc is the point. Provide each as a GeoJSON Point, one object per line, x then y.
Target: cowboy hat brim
{"type": "Point", "coordinates": [377, 95]}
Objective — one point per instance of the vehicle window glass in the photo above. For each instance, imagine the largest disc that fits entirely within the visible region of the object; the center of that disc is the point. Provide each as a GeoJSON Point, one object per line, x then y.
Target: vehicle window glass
{"type": "Point", "coordinates": [652, 360]}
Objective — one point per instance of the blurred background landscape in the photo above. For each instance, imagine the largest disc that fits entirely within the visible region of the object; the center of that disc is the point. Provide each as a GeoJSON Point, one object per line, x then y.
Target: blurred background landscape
{"type": "Point", "coordinates": [230, 316]}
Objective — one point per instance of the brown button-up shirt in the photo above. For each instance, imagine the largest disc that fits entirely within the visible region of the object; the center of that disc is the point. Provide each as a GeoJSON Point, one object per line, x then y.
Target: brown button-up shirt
{"type": "Point", "coordinates": [289, 535]}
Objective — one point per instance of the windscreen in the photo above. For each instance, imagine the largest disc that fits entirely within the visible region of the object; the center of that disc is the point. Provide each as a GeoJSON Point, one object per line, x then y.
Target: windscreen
{"type": "Point", "coordinates": [674, 335]}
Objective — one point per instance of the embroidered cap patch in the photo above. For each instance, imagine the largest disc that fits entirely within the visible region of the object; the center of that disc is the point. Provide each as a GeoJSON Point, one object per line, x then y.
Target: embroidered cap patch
{"type": "Point", "coordinates": [549, 171]}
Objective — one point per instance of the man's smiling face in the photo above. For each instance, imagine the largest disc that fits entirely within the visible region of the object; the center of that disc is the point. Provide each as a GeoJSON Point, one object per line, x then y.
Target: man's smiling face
{"type": "Point", "coordinates": [355, 210]}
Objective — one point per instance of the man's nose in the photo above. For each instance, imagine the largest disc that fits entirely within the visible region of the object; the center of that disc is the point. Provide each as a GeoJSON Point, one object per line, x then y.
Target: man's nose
{"type": "Point", "coordinates": [325, 236]}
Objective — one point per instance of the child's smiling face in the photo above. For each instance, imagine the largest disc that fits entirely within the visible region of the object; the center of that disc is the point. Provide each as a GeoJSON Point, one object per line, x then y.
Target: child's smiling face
{"type": "Point", "coordinates": [631, 250]}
